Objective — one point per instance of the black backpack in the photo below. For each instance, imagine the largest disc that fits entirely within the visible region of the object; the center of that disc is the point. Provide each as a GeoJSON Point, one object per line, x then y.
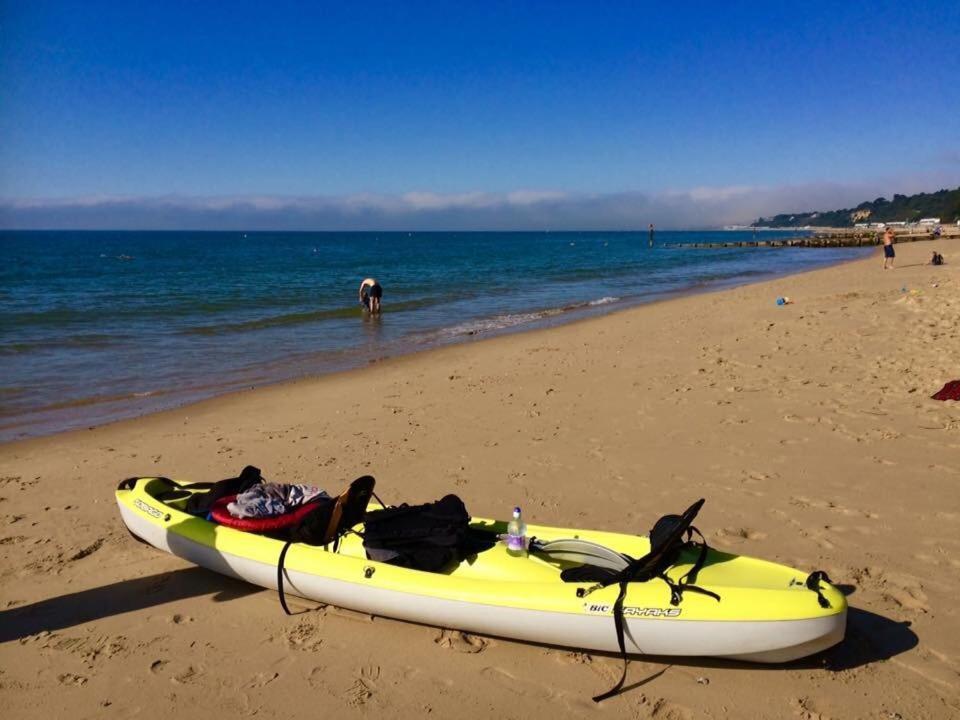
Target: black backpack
{"type": "Point", "coordinates": [423, 537]}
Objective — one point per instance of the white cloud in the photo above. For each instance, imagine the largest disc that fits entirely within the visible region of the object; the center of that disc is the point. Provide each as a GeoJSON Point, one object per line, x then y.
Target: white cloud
{"type": "Point", "coordinates": [521, 209]}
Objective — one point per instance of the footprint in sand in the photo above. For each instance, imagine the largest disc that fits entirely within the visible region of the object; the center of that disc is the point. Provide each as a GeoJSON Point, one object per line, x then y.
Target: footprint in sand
{"type": "Point", "coordinates": [362, 690]}
{"type": "Point", "coordinates": [358, 694]}
{"type": "Point", "coordinates": [317, 677]}
{"type": "Point", "coordinates": [909, 598]}
{"type": "Point", "coordinates": [665, 710]}
{"type": "Point", "coordinates": [508, 680]}
{"type": "Point", "coordinates": [804, 709]}
{"type": "Point", "coordinates": [103, 647]}
{"type": "Point", "coordinates": [71, 679]}
{"type": "Point", "coordinates": [304, 636]}
{"type": "Point", "coordinates": [740, 533]}
{"type": "Point", "coordinates": [262, 679]}
{"type": "Point", "coordinates": [460, 641]}
{"type": "Point", "coordinates": [187, 676]}
{"type": "Point", "coordinates": [574, 658]}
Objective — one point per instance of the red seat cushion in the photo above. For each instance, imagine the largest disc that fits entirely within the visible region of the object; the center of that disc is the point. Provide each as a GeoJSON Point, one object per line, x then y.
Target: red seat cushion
{"type": "Point", "coordinates": [222, 516]}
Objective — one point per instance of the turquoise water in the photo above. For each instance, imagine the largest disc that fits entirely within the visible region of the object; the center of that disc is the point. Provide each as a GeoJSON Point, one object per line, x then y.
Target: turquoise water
{"type": "Point", "coordinates": [96, 326]}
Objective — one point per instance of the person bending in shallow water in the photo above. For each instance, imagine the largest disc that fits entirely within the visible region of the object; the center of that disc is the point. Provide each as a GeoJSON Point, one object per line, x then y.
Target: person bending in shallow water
{"type": "Point", "coordinates": [370, 294]}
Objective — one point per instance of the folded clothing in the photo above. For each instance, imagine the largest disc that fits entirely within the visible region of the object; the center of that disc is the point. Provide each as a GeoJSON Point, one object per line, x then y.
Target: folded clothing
{"type": "Point", "coordinates": [950, 391]}
{"type": "Point", "coordinates": [272, 499]}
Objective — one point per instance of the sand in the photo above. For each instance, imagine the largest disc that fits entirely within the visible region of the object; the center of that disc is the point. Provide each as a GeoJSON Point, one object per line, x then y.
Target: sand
{"type": "Point", "coordinates": [808, 428]}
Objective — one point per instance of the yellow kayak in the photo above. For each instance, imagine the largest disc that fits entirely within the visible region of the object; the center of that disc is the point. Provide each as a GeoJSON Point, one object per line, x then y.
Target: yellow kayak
{"type": "Point", "coordinates": [746, 609]}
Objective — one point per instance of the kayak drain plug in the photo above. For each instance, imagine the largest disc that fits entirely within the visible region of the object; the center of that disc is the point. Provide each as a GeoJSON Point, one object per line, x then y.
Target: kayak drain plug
{"type": "Point", "coordinates": [368, 572]}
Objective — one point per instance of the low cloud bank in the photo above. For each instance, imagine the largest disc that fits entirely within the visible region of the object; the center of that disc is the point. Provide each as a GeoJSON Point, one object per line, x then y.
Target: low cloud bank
{"type": "Point", "coordinates": [521, 210]}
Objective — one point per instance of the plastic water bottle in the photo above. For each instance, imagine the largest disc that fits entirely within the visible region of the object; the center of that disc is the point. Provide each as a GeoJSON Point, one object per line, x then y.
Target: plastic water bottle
{"type": "Point", "coordinates": [517, 535]}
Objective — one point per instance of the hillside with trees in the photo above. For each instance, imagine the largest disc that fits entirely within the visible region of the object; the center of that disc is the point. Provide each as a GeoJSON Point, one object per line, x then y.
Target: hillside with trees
{"type": "Point", "coordinates": [944, 204]}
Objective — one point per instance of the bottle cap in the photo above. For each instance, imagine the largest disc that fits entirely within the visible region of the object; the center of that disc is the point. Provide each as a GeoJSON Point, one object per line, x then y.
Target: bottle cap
{"type": "Point", "coordinates": [516, 511]}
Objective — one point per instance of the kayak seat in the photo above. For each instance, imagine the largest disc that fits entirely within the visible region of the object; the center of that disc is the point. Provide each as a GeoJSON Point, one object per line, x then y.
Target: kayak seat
{"type": "Point", "coordinates": [327, 523]}
{"type": "Point", "coordinates": [349, 508]}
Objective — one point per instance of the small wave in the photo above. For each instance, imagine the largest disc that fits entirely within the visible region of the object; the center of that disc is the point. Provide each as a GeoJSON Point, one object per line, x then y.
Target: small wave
{"type": "Point", "coordinates": [272, 321]}
{"type": "Point", "coordinates": [509, 320]}
{"type": "Point", "coordinates": [72, 341]}
{"type": "Point", "coordinates": [499, 322]}
{"type": "Point", "coordinates": [299, 318]}
{"type": "Point", "coordinates": [88, 400]}
{"type": "Point", "coordinates": [502, 322]}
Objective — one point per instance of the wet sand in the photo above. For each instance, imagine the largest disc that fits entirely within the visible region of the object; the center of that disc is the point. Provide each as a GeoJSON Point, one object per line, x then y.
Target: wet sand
{"type": "Point", "coordinates": [808, 428]}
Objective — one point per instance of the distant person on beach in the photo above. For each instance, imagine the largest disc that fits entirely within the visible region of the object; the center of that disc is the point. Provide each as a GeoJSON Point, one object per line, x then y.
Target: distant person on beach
{"type": "Point", "coordinates": [937, 258]}
{"type": "Point", "coordinates": [650, 242]}
{"type": "Point", "coordinates": [370, 294]}
{"type": "Point", "coordinates": [888, 252]}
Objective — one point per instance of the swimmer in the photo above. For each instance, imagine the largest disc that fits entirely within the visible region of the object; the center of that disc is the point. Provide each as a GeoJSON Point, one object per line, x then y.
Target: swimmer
{"type": "Point", "coordinates": [370, 294]}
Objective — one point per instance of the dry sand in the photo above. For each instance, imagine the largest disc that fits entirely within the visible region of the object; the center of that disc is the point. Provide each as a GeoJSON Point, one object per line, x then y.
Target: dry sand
{"type": "Point", "coordinates": [808, 428]}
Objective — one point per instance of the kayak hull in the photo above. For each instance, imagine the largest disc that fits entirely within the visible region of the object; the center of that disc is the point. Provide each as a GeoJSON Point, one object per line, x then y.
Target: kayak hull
{"type": "Point", "coordinates": [506, 610]}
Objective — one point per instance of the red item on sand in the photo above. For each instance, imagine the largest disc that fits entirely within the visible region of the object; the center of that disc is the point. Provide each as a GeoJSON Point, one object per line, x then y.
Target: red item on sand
{"type": "Point", "coordinates": [950, 391]}
{"type": "Point", "coordinates": [222, 516]}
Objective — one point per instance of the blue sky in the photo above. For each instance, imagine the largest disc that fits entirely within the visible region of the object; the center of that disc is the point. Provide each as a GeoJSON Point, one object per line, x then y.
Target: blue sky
{"type": "Point", "coordinates": [407, 108]}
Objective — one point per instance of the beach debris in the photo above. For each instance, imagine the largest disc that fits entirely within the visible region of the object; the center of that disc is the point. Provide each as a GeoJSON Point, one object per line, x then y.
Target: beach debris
{"type": "Point", "coordinates": [784, 300]}
{"type": "Point", "coordinates": [703, 680]}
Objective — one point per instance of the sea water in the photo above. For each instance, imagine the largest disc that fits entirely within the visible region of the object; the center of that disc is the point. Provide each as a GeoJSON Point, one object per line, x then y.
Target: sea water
{"type": "Point", "coordinates": [97, 326]}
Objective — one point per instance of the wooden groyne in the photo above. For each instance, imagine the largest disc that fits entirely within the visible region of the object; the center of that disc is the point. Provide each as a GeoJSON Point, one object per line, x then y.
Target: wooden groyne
{"type": "Point", "coordinates": [831, 239]}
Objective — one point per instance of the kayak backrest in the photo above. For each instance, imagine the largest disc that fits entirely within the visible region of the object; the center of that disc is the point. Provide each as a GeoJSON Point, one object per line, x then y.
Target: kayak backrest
{"type": "Point", "coordinates": [333, 518]}
{"type": "Point", "coordinates": [666, 541]}
{"type": "Point", "coordinates": [351, 506]}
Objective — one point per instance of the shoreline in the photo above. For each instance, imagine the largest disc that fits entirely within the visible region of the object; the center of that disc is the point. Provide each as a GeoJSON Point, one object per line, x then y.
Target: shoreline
{"type": "Point", "coordinates": [547, 318]}
{"type": "Point", "coordinates": [808, 428]}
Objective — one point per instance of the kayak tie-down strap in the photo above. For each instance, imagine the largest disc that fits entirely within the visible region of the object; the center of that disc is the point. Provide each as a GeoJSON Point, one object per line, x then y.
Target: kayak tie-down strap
{"type": "Point", "coordinates": [280, 562]}
{"type": "Point", "coordinates": [328, 522]}
{"type": "Point", "coordinates": [813, 583]}
{"type": "Point", "coordinates": [671, 535]}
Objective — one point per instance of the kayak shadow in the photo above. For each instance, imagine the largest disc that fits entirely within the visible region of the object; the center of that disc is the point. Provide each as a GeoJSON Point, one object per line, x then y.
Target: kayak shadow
{"type": "Point", "coordinates": [870, 638]}
{"type": "Point", "coordinates": [117, 598]}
